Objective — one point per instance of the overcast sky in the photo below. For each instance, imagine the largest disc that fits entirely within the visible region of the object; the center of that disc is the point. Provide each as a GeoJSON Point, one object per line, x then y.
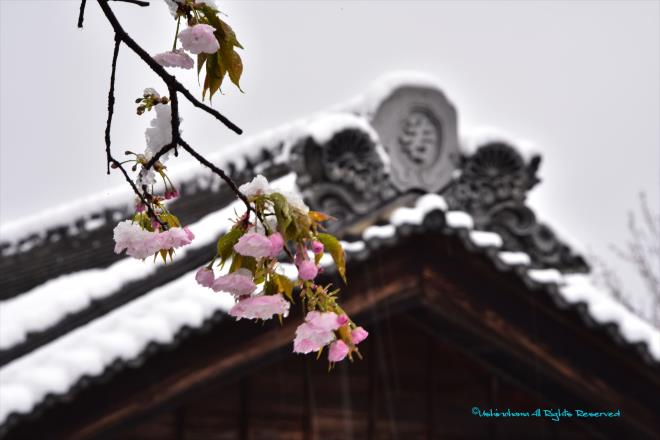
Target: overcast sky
{"type": "Point", "coordinates": [579, 79]}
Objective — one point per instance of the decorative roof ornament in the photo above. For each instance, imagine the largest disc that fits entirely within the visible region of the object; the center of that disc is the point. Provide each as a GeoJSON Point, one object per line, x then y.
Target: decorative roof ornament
{"type": "Point", "coordinates": [492, 187]}
{"type": "Point", "coordinates": [346, 177]}
{"type": "Point", "coordinates": [418, 128]}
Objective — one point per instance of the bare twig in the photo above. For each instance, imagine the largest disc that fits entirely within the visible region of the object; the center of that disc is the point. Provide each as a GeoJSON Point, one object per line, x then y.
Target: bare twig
{"type": "Point", "coordinates": [81, 14]}
{"type": "Point", "coordinates": [201, 159]}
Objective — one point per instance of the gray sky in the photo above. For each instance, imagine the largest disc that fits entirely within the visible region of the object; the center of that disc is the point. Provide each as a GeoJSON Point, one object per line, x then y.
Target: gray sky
{"type": "Point", "coordinates": [579, 79]}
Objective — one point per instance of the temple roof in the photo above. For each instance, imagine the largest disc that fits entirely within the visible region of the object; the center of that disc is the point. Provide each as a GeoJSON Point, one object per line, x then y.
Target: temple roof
{"type": "Point", "coordinates": [388, 164]}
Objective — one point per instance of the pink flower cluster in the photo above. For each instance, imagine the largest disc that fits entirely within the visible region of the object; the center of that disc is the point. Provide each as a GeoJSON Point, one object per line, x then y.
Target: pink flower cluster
{"type": "Point", "coordinates": [196, 39]}
{"type": "Point", "coordinates": [318, 330]}
{"type": "Point", "coordinates": [241, 285]}
{"type": "Point", "coordinates": [257, 245]}
{"type": "Point", "coordinates": [175, 58]}
{"type": "Point", "coordinates": [140, 243]}
{"type": "Point", "coordinates": [199, 38]}
{"type": "Point", "coordinates": [260, 307]}
{"type": "Point", "coordinates": [307, 269]}
{"type": "Point", "coordinates": [237, 283]}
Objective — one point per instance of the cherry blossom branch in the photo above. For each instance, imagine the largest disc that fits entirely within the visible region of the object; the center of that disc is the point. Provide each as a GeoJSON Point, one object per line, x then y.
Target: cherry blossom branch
{"type": "Point", "coordinates": [174, 87]}
{"type": "Point", "coordinates": [111, 161]}
{"type": "Point", "coordinates": [169, 80]}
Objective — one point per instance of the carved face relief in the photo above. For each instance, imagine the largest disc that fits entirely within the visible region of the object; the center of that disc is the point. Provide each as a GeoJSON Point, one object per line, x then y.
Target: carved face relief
{"type": "Point", "coordinates": [420, 138]}
{"type": "Point", "coordinates": [418, 129]}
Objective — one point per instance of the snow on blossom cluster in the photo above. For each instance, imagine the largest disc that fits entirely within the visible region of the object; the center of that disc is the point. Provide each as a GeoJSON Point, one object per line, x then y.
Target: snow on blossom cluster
{"type": "Point", "coordinates": [280, 224]}
{"type": "Point", "coordinates": [141, 243]}
{"type": "Point", "coordinates": [277, 225]}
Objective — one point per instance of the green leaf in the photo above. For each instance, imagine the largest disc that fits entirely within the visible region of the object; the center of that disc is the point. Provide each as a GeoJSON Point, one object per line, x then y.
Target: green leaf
{"type": "Point", "coordinates": [270, 288]}
{"type": "Point", "coordinates": [332, 245]}
{"type": "Point", "coordinates": [215, 73]}
{"type": "Point", "coordinates": [284, 285]}
{"type": "Point", "coordinates": [201, 59]}
{"type": "Point", "coordinates": [236, 261]}
{"type": "Point", "coordinates": [234, 67]}
{"type": "Point", "coordinates": [229, 35]}
{"type": "Point", "coordinates": [282, 213]}
{"type": "Point", "coordinates": [225, 246]}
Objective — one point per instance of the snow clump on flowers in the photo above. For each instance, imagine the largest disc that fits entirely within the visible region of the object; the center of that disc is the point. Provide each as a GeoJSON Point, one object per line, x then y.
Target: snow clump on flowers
{"type": "Point", "coordinates": [260, 307]}
{"type": "Point", "coordinates": [175, 58]}
{"type": "Point", "coordinates": [199, 38]}
{"type": "Point", "coordinates": [159, 132]}
{"type": "Point", "coordinates": [141, 243]}
{"type": "Point", "coordinates": [259, 186]}
{"type": "Point", "coordinates": [256, 187]}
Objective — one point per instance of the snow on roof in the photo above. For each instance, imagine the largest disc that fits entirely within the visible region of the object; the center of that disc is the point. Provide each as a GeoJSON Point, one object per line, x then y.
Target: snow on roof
{"type": "Point", "coordinates": [604, 309]}
{"type": "Point", "coordinates": [368, 102]}
{"type": "Point", "coordinates": [573, 287]}
{"type": "Point", "coordinates": [49, 303]}
{"type": "Point", "coordinates": [514, 258]}
{"type": "Point", "coordinates": [121, 334]}
{"type": "Point", "coordinates": [321, 126]}
{"type": "Point", "coordinates": [474, 137]}
{"type": "Point", "coordinates": [459, 219]}
{"type": "Point", "coordinates": [486, 239]}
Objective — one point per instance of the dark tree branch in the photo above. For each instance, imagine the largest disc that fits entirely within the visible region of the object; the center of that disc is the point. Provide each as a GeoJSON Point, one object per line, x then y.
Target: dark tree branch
{"type": "Point", "coordinates": [217, 171]}
{"type": "Point", "coordinates": [173, 87]}
{"type": "Point", "coordinates": [111, 103]}
{"type": "Point", "coordinates": [170, 80]}
{"type": "Point", "coordinates": [81, 15]}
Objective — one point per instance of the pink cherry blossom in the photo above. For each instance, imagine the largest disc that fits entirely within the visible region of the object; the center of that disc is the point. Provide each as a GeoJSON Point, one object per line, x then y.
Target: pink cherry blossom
{"type": "Point", "coordinates": [316, 332]}
{"type": "Point", "coordinates": [204, 277]}
{"type": "Point", "coordinates": [137, 242]}
{"type": "Point", "coordinates": [238, 283]}
{"type": "Point", "coordinates": [338, 351]}
{"type": "Point", "coordinates": [169, 195]}
{"type": "Point", "coordinates": [175, 237]}
{"type": "Point", "coordinates": [358, 335]}
{"type": "Point", "coordinates": [342, 320]}
{"type": "Point", "coordinates": [307, 270]}
{"type": "Point", "coordinates": [176, 58]}
{"type": "Point", "coordinates": [317, 247]}
{"type": "Point", "coordinates": [199, 39]}
{"type": "Point", "coordinates": [276, 244]}
{"type": "Point", "coordinates": [253, 244]}
{"type": "Point", "coordinates": [260, 307]}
